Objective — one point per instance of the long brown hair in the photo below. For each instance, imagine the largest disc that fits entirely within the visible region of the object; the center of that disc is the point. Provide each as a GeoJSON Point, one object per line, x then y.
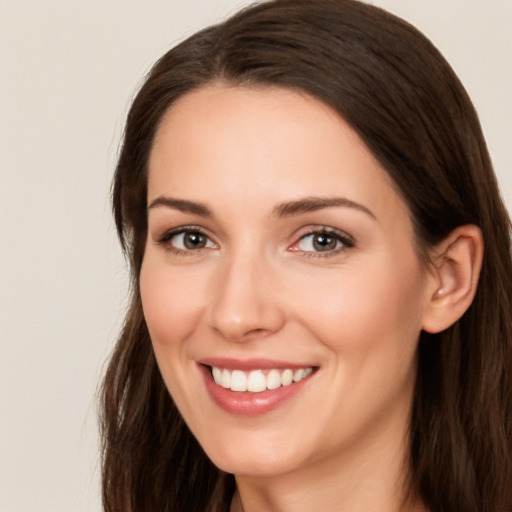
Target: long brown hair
{"type": "Point", "coordinates": [396, 90]}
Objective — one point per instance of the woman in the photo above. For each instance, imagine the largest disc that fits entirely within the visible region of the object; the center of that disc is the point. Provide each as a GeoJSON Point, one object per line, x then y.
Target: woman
{"type": "Point", "coordinates": [305, 196]}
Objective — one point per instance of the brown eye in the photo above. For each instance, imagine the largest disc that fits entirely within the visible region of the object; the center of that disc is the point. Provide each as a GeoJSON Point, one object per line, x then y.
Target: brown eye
{"type": "Point", "coordinates": [194, 240]}
{"type": "Point", "coordinates": [326, 241]}
{"type": "Point", "coordinates": [323, 242]}
{"type": "Point", "coordinates": [187, 240]}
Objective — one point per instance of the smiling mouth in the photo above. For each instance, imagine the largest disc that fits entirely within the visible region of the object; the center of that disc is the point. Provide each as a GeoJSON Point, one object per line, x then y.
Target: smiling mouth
{"type": "Point", "coordinates": [257, 381]}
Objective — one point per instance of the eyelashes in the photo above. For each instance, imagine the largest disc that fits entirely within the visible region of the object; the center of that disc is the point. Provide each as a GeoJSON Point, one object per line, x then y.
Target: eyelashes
{"type": "Point", "coordinates": [321, 241]}
{"type": "Point", "coordinates": [186, 240]}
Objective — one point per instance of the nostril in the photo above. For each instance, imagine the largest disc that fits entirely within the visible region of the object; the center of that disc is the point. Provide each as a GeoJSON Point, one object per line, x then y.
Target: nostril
{"type": "Point", "coordinates": [253, 333]}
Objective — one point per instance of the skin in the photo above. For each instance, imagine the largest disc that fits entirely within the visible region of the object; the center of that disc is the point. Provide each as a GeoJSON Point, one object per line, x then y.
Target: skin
{"type": "Point", "coordinates": [259, 288]}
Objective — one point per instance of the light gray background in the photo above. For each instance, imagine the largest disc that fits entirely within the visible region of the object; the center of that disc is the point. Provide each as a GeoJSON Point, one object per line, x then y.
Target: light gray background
{"type": "Point", "coordinates": [68, 70]}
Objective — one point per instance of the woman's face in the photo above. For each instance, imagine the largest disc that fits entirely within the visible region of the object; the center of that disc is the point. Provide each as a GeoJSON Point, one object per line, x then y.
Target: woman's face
{"type": "Point", "coordinates": [277, 250]}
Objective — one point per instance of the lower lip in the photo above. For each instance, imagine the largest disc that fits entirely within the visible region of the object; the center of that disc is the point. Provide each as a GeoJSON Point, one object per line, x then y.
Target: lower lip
{"type": "Point", "coordinates": [245, 403]}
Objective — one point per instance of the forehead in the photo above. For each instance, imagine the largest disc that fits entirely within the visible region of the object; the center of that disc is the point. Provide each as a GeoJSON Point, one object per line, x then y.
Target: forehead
{"type": "Point", "coordinates": [224, 120]}
{"type": "Point", "coordinates": [259, 146]}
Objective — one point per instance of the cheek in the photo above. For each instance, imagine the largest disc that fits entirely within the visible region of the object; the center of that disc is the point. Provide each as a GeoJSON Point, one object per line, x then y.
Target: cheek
{"type": "Point", "coordinates": [172, 303]}
{"type": "Point", "coordinates": [372, 306]}
{"type": "Point", "coordinates": [172, 308]}
{"type": "Point", "coordinates": [369, 323]}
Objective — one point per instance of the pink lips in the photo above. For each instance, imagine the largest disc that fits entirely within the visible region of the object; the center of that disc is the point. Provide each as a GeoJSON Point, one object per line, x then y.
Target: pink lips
{"type": "Point", "coordinates": [246, 403]}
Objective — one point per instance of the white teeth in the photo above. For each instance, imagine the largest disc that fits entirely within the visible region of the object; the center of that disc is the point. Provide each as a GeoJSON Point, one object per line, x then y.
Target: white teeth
{"type": "Point", "coordinates": [273, 379]}
{"type": "Point", "coordinates": [217, 375]}
{"type": "Point", "coordinates": [299, 375]}
{"type": "Point", "coordinates": [256, 381]}
{"type": "Point", "coordinates": [226, 379]}
{"type": "Point", "coordinates": [287, 377]}
{"type": "Point", "coordinates": [238, 381]}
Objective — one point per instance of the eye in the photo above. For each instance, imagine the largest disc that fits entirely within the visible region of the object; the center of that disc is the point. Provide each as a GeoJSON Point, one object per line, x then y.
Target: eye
{"type": "Point", "coordinates": [189, 240]}
{"type": "Point", "coordinates": [185, 240]}
{"type": "Point", "coordinates": [325, 240]}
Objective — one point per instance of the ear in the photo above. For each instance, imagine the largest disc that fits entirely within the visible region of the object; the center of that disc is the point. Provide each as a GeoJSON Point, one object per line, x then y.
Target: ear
{"type": "Point", "coordinates": [453, 277]}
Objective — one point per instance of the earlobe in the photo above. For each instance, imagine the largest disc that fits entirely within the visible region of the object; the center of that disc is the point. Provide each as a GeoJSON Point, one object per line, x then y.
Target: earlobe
{"type": "Point", "coordinates": [453, 278]}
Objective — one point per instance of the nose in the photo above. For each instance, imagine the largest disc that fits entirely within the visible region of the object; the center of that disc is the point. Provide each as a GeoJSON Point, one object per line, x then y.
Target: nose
{"type": "Point", "coordinates": [245, 305]}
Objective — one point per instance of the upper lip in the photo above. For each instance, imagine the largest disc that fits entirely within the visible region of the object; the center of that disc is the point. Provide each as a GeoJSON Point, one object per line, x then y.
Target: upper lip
{"type": "Point", "coordinates": [250, 364]}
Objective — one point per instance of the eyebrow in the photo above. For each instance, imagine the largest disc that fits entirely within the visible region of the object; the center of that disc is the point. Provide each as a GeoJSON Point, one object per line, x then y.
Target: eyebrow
{"type": "Point", "coordinates": [312, 204]}
{"type": "Point", "coordinates": [182, 205]}
{"type": "Point", "coordinates": [287, 209]}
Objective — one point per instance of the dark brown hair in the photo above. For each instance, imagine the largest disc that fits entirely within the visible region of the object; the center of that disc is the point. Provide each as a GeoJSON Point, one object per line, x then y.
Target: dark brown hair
{"type": "Point", "coordinates": [396, 90]}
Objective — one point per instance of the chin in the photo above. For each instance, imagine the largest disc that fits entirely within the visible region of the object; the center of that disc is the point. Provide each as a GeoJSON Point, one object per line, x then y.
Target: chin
{"type": "Point", "coordinates": [257, 461]}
